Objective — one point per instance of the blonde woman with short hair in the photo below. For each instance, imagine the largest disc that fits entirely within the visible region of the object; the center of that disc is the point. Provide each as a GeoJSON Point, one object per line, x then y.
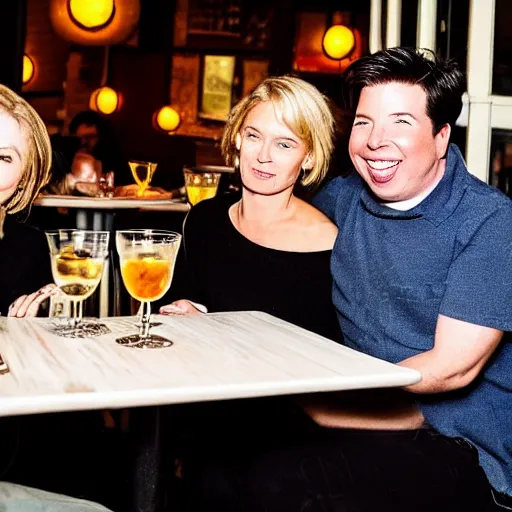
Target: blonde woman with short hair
{"type": "Point", "coordinates": [269, 250]}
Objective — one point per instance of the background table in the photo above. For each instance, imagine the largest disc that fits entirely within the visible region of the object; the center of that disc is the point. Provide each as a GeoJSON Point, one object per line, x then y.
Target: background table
{"type": "Point", "coordinates": [103, 207]}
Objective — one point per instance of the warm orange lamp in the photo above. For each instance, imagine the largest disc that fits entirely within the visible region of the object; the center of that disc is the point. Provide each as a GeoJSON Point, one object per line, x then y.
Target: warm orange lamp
{"type": "Point", "coordinates": [104, 100]}
{"type": "Point", "coordinates": [95, 22]}
{"type": "Point", "coordinates": [167, 119]}
{"type": "Point", "coordinates": [28, 69]}
{"type": "Point", "coordinates": [339, 40]}
{"type": "Point", "coordinates": [92, 14]}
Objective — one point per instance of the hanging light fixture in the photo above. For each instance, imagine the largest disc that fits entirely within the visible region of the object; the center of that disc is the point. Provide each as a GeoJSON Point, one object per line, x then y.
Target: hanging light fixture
{"type": "Point", "coordinates": [167, 119]}
{"type": "Point", "coordinates": [339, 40]}
{"type": "Point", "coordinates": [28, 69]}
{"type": "Point", "coordinates": [95, 22]}
{"type": "Point", "coordinates": [105, 100]}
{"type": "Point", "coordinates": [91, 14]}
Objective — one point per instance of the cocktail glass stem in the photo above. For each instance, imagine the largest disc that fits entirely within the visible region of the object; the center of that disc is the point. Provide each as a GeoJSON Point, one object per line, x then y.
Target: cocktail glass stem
{"type": "Point", "coordinates": [76, 312]}
{"type": "Point", "coordinates": [145, 316]}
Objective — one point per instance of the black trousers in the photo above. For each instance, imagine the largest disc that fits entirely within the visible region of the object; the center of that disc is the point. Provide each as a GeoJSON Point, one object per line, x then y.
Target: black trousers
{"type": "Point", "coordinates": [363, 471]}
{"type": "Point", "coordinates": [313, 469]}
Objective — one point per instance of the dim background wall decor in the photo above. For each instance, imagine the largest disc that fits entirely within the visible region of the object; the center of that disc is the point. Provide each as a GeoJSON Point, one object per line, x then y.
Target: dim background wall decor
{"type": "Point", "coordinates": [217, 87]}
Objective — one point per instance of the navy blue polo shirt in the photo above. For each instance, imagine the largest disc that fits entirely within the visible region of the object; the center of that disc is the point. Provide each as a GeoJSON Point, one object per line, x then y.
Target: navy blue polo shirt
{"type": "Point", "coordinates": [395, 271]}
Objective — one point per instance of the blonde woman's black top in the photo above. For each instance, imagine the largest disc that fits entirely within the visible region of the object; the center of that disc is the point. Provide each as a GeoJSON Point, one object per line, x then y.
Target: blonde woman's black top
{"type": "Point", "coordinates": [227, 272]}
{"type": "Point", "coordinates": [24, 262]}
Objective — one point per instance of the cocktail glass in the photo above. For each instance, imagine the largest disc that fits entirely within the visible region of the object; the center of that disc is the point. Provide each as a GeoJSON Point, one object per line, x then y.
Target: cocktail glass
{"type": "Point", "coordinates": [78, 258]}
{"type": "Point", "coordinates": [142, 174]}
{"type": "Point", "coordinates": [147, 259]}
{"type": "Point", "coordinates": [200, 185]}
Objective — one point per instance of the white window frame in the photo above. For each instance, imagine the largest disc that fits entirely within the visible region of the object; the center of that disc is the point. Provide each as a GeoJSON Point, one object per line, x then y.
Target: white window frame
{"type": "Point", "coordinates": [486, 111]}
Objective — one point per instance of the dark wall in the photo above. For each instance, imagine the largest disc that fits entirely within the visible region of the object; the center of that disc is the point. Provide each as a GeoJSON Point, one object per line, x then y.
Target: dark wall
{"type": "Point", "coordinates": [12, 42]}
{"type": "Point", "coordinates": [140, 78]}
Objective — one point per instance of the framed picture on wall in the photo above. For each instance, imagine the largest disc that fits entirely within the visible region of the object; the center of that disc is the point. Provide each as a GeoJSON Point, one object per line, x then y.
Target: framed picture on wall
{"type": "Point", "coordinates": [216, 93]}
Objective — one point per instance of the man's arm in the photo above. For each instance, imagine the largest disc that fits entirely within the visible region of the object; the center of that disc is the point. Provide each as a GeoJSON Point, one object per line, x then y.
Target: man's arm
{"type": "Point", "coordinates": [379, 409]}
{"type": "Point", "coordinates": [460, 351]}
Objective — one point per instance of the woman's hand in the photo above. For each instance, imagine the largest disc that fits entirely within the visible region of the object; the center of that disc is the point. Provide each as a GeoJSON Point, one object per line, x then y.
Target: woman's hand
{"type": "Point", "coordinates": [180, 307]}
{"type": "Point", "coordinates": [28, 305]}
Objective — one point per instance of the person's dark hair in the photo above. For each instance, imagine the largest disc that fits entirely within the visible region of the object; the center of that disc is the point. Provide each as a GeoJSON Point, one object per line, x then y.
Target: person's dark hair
{"type": "Point", "coordinates": [89, 118]}
{"type": "Point", "coordinates": [106, 149]}
{"type": "Point", "coordinates": [443, 81]}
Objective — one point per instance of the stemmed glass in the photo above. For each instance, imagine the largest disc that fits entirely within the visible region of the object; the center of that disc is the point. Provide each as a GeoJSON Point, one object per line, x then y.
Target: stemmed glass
{"type": "Point", "coordinates": [200, 185]}
{"type": "Point", "coordinates": [78, 258]}
{"type": "Point", "coordinates": [147, 258]}
{"type": "Point", "coordinates": [142, 173]}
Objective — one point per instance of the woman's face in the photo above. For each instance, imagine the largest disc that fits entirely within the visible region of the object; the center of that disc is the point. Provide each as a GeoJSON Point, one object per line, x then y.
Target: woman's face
{"type": "Point", "coordinates": [271, 155]}
{"type": "Point", "coordinates": [13, 154]}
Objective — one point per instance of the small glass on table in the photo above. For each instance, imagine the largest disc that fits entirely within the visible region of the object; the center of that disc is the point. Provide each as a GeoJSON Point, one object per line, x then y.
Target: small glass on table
{"type": "Point", "coordinates": [77, 258]}
{"type": "Point", "coordinates": [142, 173]}
{"type": "Point", "coordinates": [200, 185]}
{"type": "Point", "coordinates": [147, 259]}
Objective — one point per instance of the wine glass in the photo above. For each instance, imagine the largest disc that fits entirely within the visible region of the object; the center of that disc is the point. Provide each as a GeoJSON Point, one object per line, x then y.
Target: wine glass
{"type": "Point", "coordinates": [200, 185]}
{"type": "Point", "coordinates": [78, 258]}
{"type": "Point", "coordinates": [142, 174]}
{"type": "Point", "coordinates": [147, 259]}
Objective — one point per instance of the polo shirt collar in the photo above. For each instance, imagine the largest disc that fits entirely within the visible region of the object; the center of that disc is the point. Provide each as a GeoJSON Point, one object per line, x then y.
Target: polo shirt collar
{"type": "Point", "coordinates": [438, 205]}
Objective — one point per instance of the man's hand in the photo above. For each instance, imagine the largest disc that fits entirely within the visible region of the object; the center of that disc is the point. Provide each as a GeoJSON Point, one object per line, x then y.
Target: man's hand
{"type": "Point", "coordinates": [28, 305]}
{"type": "Point", "coordinates": [459, 354]}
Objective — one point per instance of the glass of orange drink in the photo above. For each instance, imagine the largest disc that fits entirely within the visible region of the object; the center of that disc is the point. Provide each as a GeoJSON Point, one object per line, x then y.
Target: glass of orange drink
{"type": "Point", "coordinates": [147, 259]}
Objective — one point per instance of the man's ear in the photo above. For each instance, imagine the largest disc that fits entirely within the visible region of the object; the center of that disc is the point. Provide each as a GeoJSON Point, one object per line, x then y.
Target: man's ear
{"type": "Point", "coordinates": [442, 139]}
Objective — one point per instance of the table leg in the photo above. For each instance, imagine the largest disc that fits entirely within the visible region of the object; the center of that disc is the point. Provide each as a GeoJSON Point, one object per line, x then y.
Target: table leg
{"type": "Point", "coordinates": [145, 430]}
{"type": "Point", "coordinates": [81, 219]}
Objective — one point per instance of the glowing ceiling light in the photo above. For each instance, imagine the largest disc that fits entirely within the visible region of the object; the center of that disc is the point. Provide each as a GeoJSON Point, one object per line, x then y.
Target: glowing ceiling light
{"type": "Point", "coordinates": [105, 100]}
{"type": "Point", "coordinates": [92, 14]}
{"type": "Point", "coordinates": [167, 119]}
{"type": "Point", "coordinates": [28, 69]}
{"type": "Point", "coordinates": [338, 42]}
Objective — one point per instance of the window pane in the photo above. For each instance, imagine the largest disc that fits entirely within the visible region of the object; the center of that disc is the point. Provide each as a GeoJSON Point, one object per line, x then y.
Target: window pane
{"type": "Point", "coordinates": [500, 169]}
{"type": "Point", "coordinates": [502, 69]}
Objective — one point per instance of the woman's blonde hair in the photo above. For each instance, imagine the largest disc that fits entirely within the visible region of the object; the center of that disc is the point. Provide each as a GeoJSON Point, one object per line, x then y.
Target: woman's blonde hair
{"type": "Point", "coordinates": [37, 162]}
{"type": "Point", "coordinates": [301, 107]}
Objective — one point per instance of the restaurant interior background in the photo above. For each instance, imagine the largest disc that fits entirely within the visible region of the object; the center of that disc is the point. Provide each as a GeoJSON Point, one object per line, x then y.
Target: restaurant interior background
{"type": "Point", "coordinates": [201, 56]}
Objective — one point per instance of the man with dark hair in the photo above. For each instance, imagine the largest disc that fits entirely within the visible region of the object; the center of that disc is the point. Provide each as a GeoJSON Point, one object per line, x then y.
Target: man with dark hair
{"type": "Point", "coordinates": [422, 271]}
{"type": "Point", "coordinates": [97, 140]}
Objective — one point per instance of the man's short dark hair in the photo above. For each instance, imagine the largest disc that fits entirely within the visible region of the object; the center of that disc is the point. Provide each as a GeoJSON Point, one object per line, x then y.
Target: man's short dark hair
{"type": "Point", "coordinates": [443, 81]}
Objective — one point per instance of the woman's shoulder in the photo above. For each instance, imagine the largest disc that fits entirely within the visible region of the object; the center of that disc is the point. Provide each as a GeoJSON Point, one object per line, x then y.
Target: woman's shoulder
{"type": "Point", "coordinates": [320, 229]}
{"type": "Point", "coordinates": [210, 212]}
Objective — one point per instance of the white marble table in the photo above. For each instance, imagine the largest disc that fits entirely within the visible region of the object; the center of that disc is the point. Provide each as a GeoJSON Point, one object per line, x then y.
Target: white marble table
{"type": "Point", "coordinates": [214, 357]}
